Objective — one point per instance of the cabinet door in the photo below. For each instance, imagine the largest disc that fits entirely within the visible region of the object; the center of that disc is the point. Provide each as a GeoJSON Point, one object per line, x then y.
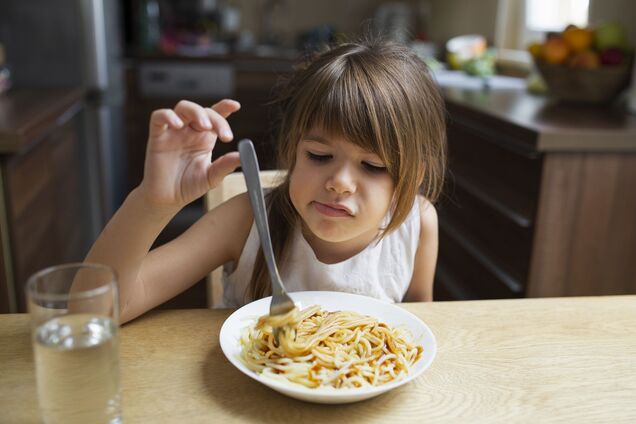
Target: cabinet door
{"type": "Point", "coordinates": [486, 217]}
{"type": "Point", "coordinates": [48, 210]}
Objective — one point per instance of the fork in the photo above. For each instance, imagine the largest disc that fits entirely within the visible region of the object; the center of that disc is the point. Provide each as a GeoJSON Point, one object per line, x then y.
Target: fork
{"type": "Point", "coordinates": [281, 302]}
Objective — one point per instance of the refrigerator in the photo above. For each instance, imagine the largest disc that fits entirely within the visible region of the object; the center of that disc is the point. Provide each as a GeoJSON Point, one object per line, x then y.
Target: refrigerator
{"type": "Point", "coordinates": [71, 43]}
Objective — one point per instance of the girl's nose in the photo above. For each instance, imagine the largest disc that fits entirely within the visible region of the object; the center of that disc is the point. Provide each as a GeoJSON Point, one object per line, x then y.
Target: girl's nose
{"type": "Point", "coordinates": [342, 180]}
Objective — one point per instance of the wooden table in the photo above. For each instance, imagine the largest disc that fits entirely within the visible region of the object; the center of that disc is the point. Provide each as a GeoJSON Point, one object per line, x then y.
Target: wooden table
{"type": "Point", "coordinates": [525, 360]}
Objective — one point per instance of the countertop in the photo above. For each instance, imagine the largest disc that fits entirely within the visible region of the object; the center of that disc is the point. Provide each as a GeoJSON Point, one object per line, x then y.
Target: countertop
{"type": "Point", "coordinates": [27, 114]}
{"type": "Point", "coordinates": [524, 360]}
{"type": "Point", "coordinates": [534, 121]}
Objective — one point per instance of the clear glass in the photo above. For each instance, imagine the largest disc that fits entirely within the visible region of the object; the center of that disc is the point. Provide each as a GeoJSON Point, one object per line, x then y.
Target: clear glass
{"type": "Point", "coordinates": [74, 312]}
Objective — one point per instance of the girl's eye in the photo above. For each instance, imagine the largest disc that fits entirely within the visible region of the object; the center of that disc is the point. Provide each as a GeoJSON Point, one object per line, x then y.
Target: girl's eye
{"type": "Point", "coordinates": [317, 157]}
{"type": "Point", "coordinates": [373, 168]}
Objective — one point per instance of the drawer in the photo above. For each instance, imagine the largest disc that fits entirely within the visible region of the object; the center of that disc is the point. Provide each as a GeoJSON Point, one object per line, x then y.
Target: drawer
{"type": "Point", "coordinates": [186, 80]}
{"type": "Point", "coordinates": [507, 244]}
{"type": "Point", "coordinates": [464, 274]}
{"type": "Point", "coordinates": [501, 179]}
{"type": "Point", "coordinates": [32, 173]}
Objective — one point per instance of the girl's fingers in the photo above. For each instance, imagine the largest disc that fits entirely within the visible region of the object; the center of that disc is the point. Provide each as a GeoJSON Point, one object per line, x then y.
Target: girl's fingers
{"type": "Point", "coordinates": [226, 107]}
{"type": "Point", "coordinates": [221, 167]}
{"type": "Point", "coordinates": [193, 115]}
{"type": "Point", "coordinates": [197, 117]}
{"type": "Point", "coordinates": [220, 125]}
{"type": "Point", "coordinates": [162, 119]}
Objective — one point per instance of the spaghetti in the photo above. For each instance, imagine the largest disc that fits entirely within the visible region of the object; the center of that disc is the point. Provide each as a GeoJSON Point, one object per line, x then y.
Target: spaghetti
{"type": "Point", "coordinates": [317, 348]}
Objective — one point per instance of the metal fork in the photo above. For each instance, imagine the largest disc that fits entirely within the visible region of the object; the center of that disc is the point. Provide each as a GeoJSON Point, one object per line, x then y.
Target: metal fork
{"type": "Point", "coordinates": [281, 302]}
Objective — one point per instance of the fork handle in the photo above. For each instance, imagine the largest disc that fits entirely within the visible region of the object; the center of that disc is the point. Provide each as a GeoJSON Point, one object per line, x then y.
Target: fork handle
{"type": "Point", "coordinates": [249, 163]}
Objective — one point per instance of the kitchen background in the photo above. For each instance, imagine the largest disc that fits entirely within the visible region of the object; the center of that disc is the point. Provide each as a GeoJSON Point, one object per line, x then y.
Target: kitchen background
{"type": "Point", "coordinates": [85, 75]}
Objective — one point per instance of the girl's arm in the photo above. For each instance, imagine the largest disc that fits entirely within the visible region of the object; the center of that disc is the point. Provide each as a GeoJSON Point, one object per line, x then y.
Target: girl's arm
{"type": "Point", "coordinates": [421, 287]}
{"type": "Point", "coordinates": [218, 237]}
{"type": "Point", "coordinates": [178, 169]}
{"type": "Point", "coordinates": [161, 274]}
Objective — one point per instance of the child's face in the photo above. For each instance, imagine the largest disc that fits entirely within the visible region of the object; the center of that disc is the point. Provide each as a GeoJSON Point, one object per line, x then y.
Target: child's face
{"type": "Point", "coordinates": [341, 192]}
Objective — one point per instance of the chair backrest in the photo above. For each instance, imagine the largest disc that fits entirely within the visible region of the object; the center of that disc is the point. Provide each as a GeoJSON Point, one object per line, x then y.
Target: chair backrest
{"type": "Point", "coordinates": [231, 185]}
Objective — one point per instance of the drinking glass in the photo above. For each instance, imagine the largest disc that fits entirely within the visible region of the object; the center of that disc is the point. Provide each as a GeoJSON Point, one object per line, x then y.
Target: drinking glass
{"type": "Point", "coordinates": [74, 312]}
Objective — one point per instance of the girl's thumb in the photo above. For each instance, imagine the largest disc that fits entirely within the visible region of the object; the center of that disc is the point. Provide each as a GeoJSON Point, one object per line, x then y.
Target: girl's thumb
{"type": "Point", "coordinates": [222, 167]}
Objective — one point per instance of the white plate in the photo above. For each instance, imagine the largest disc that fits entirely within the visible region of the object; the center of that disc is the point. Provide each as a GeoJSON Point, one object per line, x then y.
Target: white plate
{"type": "Point", "coordinates": [330, 301]}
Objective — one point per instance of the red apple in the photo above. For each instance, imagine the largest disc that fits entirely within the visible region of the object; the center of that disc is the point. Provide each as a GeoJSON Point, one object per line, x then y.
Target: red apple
{"type": "Point", "coordinates": [612, 56]}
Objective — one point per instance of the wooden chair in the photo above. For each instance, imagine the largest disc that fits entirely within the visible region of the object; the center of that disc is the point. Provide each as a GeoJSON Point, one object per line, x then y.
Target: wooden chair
{"type": "Point", "coordinates": [232, 185]}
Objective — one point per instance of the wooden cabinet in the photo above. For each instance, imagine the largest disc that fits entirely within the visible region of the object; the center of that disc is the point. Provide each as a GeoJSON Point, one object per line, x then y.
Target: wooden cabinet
{"type": "Point", "coordinates": [487, 216]}
{"type": "Point", "coordinates": [44, 201]}
{"type": "Point", "coordinates": [528, 214]}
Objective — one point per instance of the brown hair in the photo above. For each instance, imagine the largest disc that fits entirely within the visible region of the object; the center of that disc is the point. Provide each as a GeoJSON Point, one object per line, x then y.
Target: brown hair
{"type": "Point", "coordinates": [379, 96]}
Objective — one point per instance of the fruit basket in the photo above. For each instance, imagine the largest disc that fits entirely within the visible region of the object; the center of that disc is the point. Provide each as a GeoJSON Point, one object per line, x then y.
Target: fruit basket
{"type": "Point", "coordinates": [585, 65]}
{"type": "Point", "coordinates": [581, 85]}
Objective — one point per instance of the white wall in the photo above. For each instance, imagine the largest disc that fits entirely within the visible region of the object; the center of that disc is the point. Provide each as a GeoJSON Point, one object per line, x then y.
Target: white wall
{"type": "Point", "coordinates": [457, 17]}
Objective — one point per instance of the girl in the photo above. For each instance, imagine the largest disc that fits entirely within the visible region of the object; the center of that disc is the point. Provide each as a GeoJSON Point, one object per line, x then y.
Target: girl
{"type": "Point", "coordinates": [362, 132]}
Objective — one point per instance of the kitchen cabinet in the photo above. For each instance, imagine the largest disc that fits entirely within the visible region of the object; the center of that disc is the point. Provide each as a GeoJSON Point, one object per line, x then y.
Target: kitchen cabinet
{"type": "Point", "coordinates": [44, 204]}
{"type": "Point", "coordinates": [540, 198]}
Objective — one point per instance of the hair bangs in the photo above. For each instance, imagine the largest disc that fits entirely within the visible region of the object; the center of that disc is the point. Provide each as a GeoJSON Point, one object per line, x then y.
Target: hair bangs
{"type": "Point", "coordinates": [338, 103]}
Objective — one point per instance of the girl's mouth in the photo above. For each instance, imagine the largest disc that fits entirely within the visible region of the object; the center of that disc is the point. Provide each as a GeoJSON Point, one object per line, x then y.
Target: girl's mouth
{"type": "Point", "coordinates": [332, 210]}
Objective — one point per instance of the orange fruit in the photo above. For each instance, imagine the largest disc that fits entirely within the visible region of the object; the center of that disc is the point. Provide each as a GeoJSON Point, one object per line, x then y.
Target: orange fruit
{"type": "Point", "coordinates": [578, 39]}
{"type": "Point", "coordinates": [555, 51]}
{"type": "Point", "coordinates": [586, 59]}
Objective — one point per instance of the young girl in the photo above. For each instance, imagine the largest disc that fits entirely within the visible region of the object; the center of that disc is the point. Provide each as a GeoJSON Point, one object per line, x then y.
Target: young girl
{"type": "Point", "coordinates": [362, 132]}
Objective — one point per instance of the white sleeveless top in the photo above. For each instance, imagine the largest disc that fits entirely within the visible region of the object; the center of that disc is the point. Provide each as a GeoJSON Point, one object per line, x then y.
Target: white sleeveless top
{"type": "Point", "coordinates": [382, 270]}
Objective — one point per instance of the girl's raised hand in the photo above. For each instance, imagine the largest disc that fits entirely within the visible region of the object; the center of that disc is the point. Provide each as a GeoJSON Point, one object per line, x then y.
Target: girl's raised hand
{"type": "Point", "coordinates": [178, 167]}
